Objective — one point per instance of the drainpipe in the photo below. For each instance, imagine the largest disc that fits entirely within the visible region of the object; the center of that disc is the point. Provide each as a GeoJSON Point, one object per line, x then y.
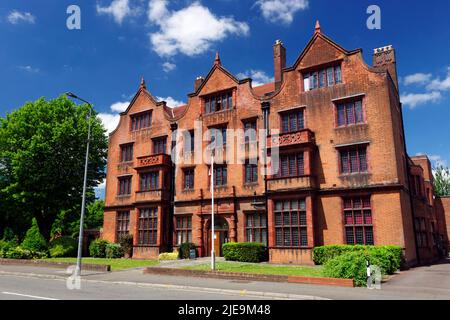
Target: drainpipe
{"type": "Point", "coordinates": [265, 107]}
{"type": "Point", "coordinates": [173, 129]}
{"type": "Point", "coordinates": [408, 170]}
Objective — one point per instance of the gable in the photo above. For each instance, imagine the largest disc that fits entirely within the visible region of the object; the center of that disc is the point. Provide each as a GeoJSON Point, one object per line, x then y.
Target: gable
{"type": "Point", "coordinates": [218, 80]}
{"type": "Point", "coordinates": [320, 51]}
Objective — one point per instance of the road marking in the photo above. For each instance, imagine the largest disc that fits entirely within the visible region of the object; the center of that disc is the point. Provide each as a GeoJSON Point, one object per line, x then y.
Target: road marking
{"type": "Point", "coordinates": [27, 295]}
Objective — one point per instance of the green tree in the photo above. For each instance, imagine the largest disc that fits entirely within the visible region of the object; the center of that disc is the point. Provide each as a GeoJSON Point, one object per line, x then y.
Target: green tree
{"type": "Point", "coordinates": [42, 150]}
{"type": "Point", "coordinates": [34, 241]}
{"type": "Point", "coordinates": [94, 216]}
{"type": "Point", "coordinates": [441, 181]}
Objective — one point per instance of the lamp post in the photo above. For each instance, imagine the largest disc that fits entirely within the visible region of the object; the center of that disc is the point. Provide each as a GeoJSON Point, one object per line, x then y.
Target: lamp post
{"type": "Point", "coordinates": [213, 258]}
{"type": "Point", "coordinates": [83, 204]}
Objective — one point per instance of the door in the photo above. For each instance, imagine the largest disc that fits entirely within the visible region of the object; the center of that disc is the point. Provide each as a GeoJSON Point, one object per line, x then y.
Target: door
{"type": "Point", "coordinates": [220, 236]}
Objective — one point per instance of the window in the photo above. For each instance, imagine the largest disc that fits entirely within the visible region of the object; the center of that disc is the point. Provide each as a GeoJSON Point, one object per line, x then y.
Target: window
{"type": "Point", "coordinates": [292, 121]}
{"type": "Point", "coordinates": [141, 121]}
{"type": "Point", "coordinates": [189, 141]}
{"type": "Point", "coordinates": [353, 160]}
{"type": "Point", "coordinates": [123, 224]}
{"type": "Point", "coordinates": [149, 181]}
{"type": "Point", "coordinates": [250, 131]}
{"type": "Point", "coordinates": [126, 152]}
{"type": "Point", "coordinates": [124, 186]}
{"type": "Point", "coordinates": [290, 224]}
{"type": "Point", "coordinates": [220, 176]}
{"type": "Point", "coordinates": [358, 221]}
{"type": "Point", "coordinates": [291, 165]}
{"type": "Point", "coordinates": [256, 228]}
{"type": "Point", "coordinates": [322, 78]}
{"type": "Point", "coordinates": [349, 113]}
{"type": "Point", "coordinates": [219, 136]}
{"type": "Point", "coordinates": [189, 179]}
{"type": "Point", "coordinates": [251, 172]}
{"type": "Point", "coordinates": [148, 226]}
{"type": "Point", "coordinates": [218, 102]}
{"type": "Point", "coordinates": [421, 232]}
{"type": "Point", "coordinates": [160, 145]}
{"type": "Point", "coordinates": [184, 229]}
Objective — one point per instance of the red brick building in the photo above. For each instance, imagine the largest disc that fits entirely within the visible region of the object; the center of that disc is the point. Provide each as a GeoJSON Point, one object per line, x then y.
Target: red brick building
{"type": "Point", "coordinates": [338, 171]}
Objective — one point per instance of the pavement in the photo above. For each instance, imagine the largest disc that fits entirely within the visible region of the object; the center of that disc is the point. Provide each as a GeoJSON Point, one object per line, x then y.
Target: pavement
{"type": "Point", "coordinates": [39, 283]}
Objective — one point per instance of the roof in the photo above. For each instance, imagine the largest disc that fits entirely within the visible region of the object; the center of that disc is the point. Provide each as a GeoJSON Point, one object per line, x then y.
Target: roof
{"type": "Point", "coordinates": [264, 89]}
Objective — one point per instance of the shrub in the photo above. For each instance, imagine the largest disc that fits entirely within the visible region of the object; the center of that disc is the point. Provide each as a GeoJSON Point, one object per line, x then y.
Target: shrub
{"type": "Point", "coordinates": [168, 256]}
{"type": "Point", "coordinates": [126, 242]}
{"type": "Point", "coordinates": [18, 253]}
{"type": "Point", "coordinates": [350, 265]}
{"type": "Point", "coordinates": [185, 249]}
{"type": "Point", "coordinates": [34, 241]}
{"type": "Point", "coordinates": [97, 248]}
{"type": "Point", "coordinates": [390, 256]}
{"type": "Point", "coordinates": [244, 252]}
{"type": "Point", "coordinates": [63, 247]}
{"type": "Point", "coordinates": [6, 246]}
{"type": "Point", "coordinates": [113, 251]}
{"type": "Point", "coordinates": [9, 236]}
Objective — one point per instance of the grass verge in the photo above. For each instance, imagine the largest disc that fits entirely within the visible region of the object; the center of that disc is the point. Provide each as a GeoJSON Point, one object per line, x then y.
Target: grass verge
{"type": "Point", "coordinates": [305, 271]}
{"type": "Point", "coordinates": [116, 264]}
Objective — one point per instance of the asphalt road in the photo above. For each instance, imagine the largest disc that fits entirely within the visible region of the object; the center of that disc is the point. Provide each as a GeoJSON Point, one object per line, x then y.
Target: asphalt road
{"type": "Point", "coordinates": [36, 283]}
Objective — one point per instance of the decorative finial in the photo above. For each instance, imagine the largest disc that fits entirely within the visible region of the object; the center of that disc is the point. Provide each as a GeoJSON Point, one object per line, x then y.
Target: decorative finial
{"type": "Point", "coordinates": [143, 86]}
{"type": "Point", "coordinates": [318, 27]}
{"type": "Point", "coordinates": [217, 60]}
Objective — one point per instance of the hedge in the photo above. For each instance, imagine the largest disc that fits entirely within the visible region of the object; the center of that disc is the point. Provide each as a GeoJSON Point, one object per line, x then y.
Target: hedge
{"type": "Point", "coordinates": [244, 252]}
{"type": "Point", "coordinates": [63, 247]}
{"type": "Point", "coordinates": [391, 256]}
{"type": "Point", "coordinates": [97, 248]}
{"type": "Point", "coordinates": [168, 256]}
{"type": "Point", "coordinates": [113, 251]}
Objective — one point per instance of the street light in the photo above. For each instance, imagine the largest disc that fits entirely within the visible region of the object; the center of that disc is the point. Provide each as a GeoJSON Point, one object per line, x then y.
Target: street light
{"type": "Point", "coordinates": [83, 204]}
{"type": "Point", "coordinates": [213, 258]}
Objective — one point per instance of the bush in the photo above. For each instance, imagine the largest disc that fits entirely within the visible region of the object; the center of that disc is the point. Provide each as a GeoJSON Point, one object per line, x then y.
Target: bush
{"type": "Point", "coordinates": [351, 265]}
{"type": "Point", "coordinates": [18, 253]}
{"type": "Point", "coordinates": [6, 246]}
{"type": "Point", "coordinates": [244, 252]}
{"type": "Point", "coordinates": [391, 256]}
{"type": "Point", "coordinates": [9, 236]}
{"type": "Point", "coordinates": [34, 241]}
{"type": "Point", "coordinates": [113, 251]}
{"type": "Point", "coordinates": [185, 249]}
{"type": "Point", "coordinates": [168, 256]}
{"type": "Point", "coordinates": [63, 247]}
{"type": "Point", "coordinates": [97, 248]}
{"type": "Point", "coordinates": [126, 243]}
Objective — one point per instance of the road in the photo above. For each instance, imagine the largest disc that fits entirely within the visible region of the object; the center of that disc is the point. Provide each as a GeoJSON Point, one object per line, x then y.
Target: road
{"type": "Point", "coordinates": [37, 283]}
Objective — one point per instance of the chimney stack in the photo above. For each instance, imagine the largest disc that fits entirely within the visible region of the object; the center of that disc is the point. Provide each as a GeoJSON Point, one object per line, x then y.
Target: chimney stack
{"type": "Point", "coordinates": [279, 60]}
{"type": "Point", "coordinates": [384, 58]}
{"type": "Point", "coordinates": [198, 82]}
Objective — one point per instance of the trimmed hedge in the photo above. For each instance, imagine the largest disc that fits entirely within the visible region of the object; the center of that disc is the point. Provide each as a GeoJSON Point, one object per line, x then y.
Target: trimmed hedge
{"type": "Point", "coordinates": [391, 256]}
{"type": "Point", "coordinates": [97, 248]}
{"type": "Point", "coordinates": [113, 251]}
{"type": "Point", "coordinates": [244, 252]}
{"type": "Point", "coordinates": [185, 249]}
{"type": "Point", "coordinates": [351, 265]}
{"type": "Point", "coordinates": [63, 247]}
{"type": "Point", "coordinates": [168, 256]}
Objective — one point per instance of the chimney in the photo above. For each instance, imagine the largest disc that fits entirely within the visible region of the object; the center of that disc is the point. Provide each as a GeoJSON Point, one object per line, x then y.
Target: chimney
{"type": "Point", "coordinates": [279, 61]}
{"type": "Point", "coordinates": [198, 82]}
{"type": "Point", "coordinates": [384, 58]}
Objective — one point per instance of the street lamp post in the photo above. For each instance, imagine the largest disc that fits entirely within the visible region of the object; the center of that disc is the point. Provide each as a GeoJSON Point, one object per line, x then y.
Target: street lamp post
{"type": "Point", "coordinates": [213, 257]}
{"type": "Point", "coordinates": [83, 204]}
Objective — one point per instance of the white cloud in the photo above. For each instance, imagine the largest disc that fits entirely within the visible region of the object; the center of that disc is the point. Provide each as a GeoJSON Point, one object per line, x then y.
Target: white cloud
{"type": "Point", "coordinates": [168, 66]}
{"type": "Point", "coordinates": [120, 106]}
{"type": "Point", "coordinates": [119, 9]}
{"type": "Point", "coordinates": [417, 78]}
{"type": "Point", "coordinates": [171, 102]}
{"type": "Point", "coordinates": [441, 85]}
{"type": "Point", "coordinates": [16, 17]}
{"type": "Point", "coordinates": [414, 99]}
{"type": "Point", "coordinates": [281, 11]}
{"type": "Point", "coordinates": [259, 77]}
{"type": "Point", "coordinates": [438, 160]}
{"type": "Point", "coordinates": [29, 69]}
{"type": "Point", "coordinates": [191, 30]}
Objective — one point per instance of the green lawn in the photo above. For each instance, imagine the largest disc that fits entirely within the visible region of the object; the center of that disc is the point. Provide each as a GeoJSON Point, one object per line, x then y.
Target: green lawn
{"type": "Point", "coordinates": [262, 268]}
{"type": "Point", "coordinates": [116, 264]}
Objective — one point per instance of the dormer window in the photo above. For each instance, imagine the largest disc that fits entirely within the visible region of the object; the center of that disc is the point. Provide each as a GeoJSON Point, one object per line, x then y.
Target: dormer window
{"type": "Point", "coordinates": [218, 102]}
{"type": "Point", "coordinates": [141, 121]}
{"type": "Point", "coordinates": [322, 78]}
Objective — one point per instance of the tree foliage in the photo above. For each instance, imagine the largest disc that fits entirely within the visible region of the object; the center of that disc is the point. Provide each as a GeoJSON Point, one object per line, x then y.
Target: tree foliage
{"type": "Point", "coordinates": [441, 181]}
{"type": "Point", "coordinates": [42, 151]}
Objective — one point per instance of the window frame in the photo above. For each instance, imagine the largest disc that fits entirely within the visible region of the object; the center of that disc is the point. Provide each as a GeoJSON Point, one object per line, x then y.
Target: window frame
{"type": "Point", "coordinates": [287, 115]}
{"type": "Point", "coordinates": [344, 103]}
{"type": "Point", "coordinates": [185, 229]}
{"type": "Point", "coordinates": [301, 228]}
{"type": "Point", "coordinates": [156, 145]}
{"type": "Point", "coordinates": [122, 223]}
{"type": "Point", "coordinates": [262, 228]}
{"type": "Point", "coordinates": [290, 174]}
{"type": "Point", "coordinates": [253, 172]}
{"type": "Point", "coordinates": [148, 185]}
{"type": "Point", "coordinates": [316, 75]}
{"type": "Point", "coordinates": [148, 225]}
{"type": "Point", "coordinates": [191, 184]}
{"type": "Point", "coordinates": [348, 150]}
{"type": "Point", "coordinates": [211, 104]}
{"type": "Point", "coordinates": [130, 154]}
{"type": "Point", "coordinates": [354, 225]}
{"type": "Point", "coordinates": [121, 190]}
{"type": "Point", "coordinates": [137, 120]}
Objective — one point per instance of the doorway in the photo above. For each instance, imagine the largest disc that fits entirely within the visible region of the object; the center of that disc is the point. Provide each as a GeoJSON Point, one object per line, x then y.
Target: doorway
{"type": "Point", "coordinates": [220, 235]}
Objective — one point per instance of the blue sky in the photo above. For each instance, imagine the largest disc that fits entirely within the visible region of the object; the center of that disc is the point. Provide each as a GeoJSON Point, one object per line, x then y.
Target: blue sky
{"type": "Point", "coordinates": [170, 43]}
